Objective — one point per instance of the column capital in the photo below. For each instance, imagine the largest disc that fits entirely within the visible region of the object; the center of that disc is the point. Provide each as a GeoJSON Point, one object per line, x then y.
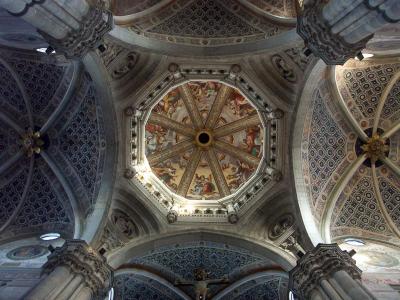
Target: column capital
{"type": "Point", "coordinates": [318, 264]}
{"type": "Point", "coordinates": [94, 25]}
{"type": "Point", "coordinates": [82, 259]}
{"type": "Point", "coordinates": [317, 35]}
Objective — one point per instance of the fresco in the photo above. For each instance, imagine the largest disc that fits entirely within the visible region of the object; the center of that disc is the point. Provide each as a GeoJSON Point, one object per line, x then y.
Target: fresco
{"type": "Point", "coordinates": [203, 185]}
{"type": "Point", "coordinates": [375, 258]}
{"type": "Point", "coordinates": [235, 171]}
{"type": "Point", "coordinates": [174, 151]}
{"type": "Point", "coordinates": [27, 252]}
{"type": "Point", "coordinates": [236, 107]}
{"type": "Point", "coordinates": [249, 140]}
{"type": "Point", "coordinates": [204, 93]}
{"type": "Point", "coordinates": [171, 170]}
{"type": "Point", "coordinates": [172, 106]}
{"type": "Point", "coordinates": [159, 138]}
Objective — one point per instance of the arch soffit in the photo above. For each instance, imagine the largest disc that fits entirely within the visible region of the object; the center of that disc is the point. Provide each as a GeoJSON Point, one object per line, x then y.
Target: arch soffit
{"type": "Point", "coordinates": [142, 246]}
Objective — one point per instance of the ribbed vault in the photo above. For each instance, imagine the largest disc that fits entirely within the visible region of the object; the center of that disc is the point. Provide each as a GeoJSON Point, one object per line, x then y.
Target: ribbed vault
{"type": "Point", "coordinates": [52, 144]}
{"type": "Point", "coordinates": [350, 151]}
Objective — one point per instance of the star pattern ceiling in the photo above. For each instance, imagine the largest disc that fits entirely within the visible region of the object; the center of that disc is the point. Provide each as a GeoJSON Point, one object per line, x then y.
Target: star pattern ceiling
{"type": "Point", "coordinates": [204, 140]}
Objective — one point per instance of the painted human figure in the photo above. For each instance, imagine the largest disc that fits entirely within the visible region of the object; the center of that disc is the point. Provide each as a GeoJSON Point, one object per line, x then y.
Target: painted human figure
{"type": "Point", "coordinates": [201, 283]}
{"type": "Point", "coordinates": [251, 142]}
{"type": "Point", "coordinates": [208, 187]}
{"type": "Point", "coordinates": [239, 105]}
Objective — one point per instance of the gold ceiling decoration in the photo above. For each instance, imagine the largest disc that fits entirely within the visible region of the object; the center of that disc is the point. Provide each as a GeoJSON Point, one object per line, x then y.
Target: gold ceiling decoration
{"type": "Point", "coordinates": [31, 142]}
{"type": "Point", "coordinates": [204, 140]}
{"type": "Point", "coordinates": [375, 148]}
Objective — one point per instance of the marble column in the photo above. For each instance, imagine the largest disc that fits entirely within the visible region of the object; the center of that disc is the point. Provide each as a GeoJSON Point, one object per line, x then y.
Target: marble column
{"type": "Point", "coordinates": [337, 30]}
{"type": "Point", "coordinates": [327, 273]}
{"type": "Point", "coordinates": [74, 271]}
{"type": "Point", "coordinates": [71, 27]}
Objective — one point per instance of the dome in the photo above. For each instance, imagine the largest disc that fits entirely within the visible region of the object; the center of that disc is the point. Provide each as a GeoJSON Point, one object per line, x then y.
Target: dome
{"type": "Point", "coordinates": [204, 140]}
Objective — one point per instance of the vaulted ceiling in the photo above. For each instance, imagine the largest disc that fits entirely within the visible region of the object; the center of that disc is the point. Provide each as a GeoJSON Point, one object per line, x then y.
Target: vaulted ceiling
{"type": "Point", "coordinates": [350, 150]}
{"type": "Point", "coordinates": [53, 145]}
{"type": "Point", "coordinates": [72, 132]}
{"type": "Point", "coordinates": [203, 26]}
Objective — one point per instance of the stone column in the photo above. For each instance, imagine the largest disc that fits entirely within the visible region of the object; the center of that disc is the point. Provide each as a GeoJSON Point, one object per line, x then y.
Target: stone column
{"type": "Point", "coordinates": [328, 273]}
{"type": "Point", "coordinates": [337, 30]}
{"type": "Point", "coordinates": [71, 27]}
{"type": "Point", "coordinates": [73, 272]}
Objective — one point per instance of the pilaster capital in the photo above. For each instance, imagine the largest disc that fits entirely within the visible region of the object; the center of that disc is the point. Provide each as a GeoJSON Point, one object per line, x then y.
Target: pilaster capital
{"type": "Point", "coordinates": [318, 264]}
{"type": "Point", "coordinates": [82, 259]}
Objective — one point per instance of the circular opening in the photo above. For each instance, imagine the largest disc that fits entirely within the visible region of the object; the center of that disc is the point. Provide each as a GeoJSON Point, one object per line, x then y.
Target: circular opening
{"type": "Point", "coordinates": [204, 138]}
{"type": "Point", "coordinates": [50, 236]}
{"type": "Point", "coordinates": [354, 242]}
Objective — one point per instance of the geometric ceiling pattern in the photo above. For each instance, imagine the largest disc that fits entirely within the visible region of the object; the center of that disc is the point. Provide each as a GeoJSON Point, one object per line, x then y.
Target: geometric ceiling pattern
{"type": "Point", "coordinates": [136, 287]}
{"type": "Point", "coordinates": [206, 22]}
{"type": "Point", "coordinates": [51, 139]}
{"type": "Point", "coordinates": [262, 288]}
{"type": "Point", "coordinates": [351, 154]}
{"type": "Point", "coordinates": [204, 140]}
{"type": "Point", "coordinates": [223, 263]}
{"type": "Point", "coordinates": [282, 8]}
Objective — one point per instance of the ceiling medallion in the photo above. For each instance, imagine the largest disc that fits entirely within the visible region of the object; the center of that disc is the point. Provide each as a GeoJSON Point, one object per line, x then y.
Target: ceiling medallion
{"type": "Point", "coordinates": [32, 142]}
{"type": "Point", "coordinates": [203, 140]}
{"type": "Point", "coordinates": [375, 148]}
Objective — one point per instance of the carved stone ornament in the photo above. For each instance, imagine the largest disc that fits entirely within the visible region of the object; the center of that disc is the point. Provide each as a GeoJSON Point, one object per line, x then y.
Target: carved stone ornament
{"type": "Point", "coordinates": [125, 65]}
{"type": "Point", "coordinates": [318, 37]}
{"type": "Point", "coordinates": [129, 173]}
{"type": "Point", "coordinates": [172, 216]}
{"type": "Point", "coordinates": [318, 264]}
{"type": "Point", "coordinates": [274, 174]}
{"type": "Point", "coordinates": [77, 43]}
{"type": "Point", "coordinates": [276, 114]}
{"type": "Point", "coordinates": [32, 142]}
{"type": "Point", "coordinates": [124, 224]}
{"type": "Point", "coordinates": [233, 217]}
{"type": "Point", "coordinates": [129, 111]}
{"type": "Point", "coordinates": [81, 259]}
{"type": "Point", "coordinates": [109, 239]}
{"type": "Point", "coordinates": [280, 226]}
{"type": "Point", "coordinates": [283, 68]}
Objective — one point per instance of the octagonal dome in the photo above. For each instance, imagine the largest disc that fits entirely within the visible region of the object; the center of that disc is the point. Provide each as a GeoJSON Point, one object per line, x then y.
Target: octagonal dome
{"type": "Point", "coordinates": [204, 140]}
